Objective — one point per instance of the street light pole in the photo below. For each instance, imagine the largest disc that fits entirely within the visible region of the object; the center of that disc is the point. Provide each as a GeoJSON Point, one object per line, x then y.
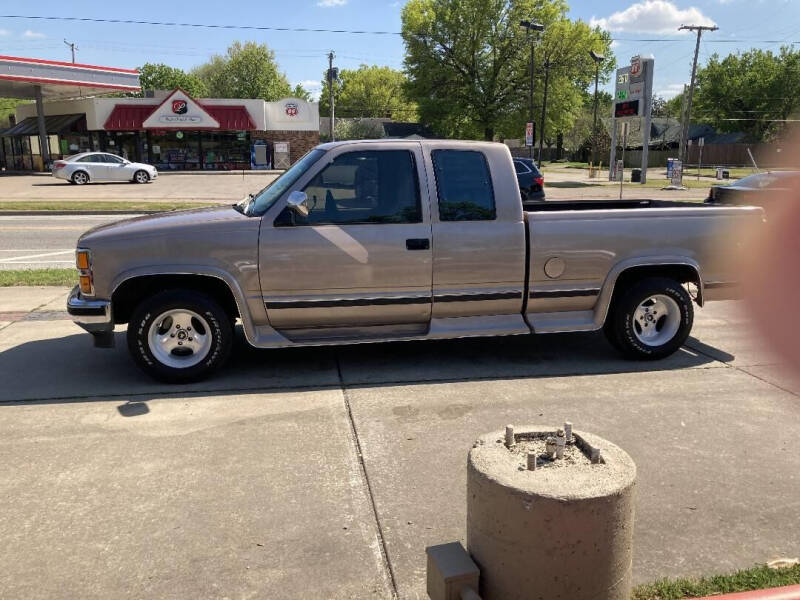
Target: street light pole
{"type": "Point", "coordinates": [544, 109]}
{"type": "Point", "coordinates": [531, 27]}
{"type": "Point", "coordinates": [530, 104]}
{"type": "Point", "coordinates": [597, 58]}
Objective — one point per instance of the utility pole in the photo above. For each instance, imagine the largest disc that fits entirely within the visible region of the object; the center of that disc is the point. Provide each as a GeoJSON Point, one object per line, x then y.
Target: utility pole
{"type": "Point", "coordinates": [531, 27]}
{"type": "Point", "coordinates": [699, 29]}
{"type": "Point", "coordinates": [544, 109]}
{"type": "Point", "coordinates": [682, 140]}
{"type": "Point", "coordinates": [597, 58]}
{"type": "Point", "coordinates": [72, 47]}
{"type": "Point", "coordinates": [333, 75]}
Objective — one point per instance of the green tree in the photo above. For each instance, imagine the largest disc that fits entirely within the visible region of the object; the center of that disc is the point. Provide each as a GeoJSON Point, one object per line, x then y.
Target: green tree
{"type": "Point", "coordinates": [369, 91]}
{"type": "Point", "coordinates": [158, 76]}
{"type": "Point", "coordinates": [752, 91]}
{"type": "Point", "coordinates": [468, 64]}
{"type": "Point", "coordinates": [300, 92]}
{"type": "Point", "coordinates": [247, 70]}
{"type": "Point", "coordinates": [8, 107]}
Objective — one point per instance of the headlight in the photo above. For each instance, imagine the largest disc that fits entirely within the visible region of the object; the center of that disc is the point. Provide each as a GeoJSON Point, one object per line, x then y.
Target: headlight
{"type": "Point", "coordinates": [83, 260]}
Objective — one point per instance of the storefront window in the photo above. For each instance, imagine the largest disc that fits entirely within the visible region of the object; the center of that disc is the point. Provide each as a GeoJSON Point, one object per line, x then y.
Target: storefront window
{"type": "Point", "coordinates": [225, 151]}
{"type": "Point", "coordinates": [175, 150]}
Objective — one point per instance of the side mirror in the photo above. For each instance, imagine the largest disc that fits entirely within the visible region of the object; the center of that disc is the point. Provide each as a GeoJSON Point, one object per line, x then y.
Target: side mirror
{"type": "Point", "coordinates": [298, 202]}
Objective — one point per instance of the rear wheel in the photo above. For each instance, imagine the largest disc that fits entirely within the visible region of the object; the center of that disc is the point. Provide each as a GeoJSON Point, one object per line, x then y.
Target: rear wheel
{"type": "Point", "coordinates": [80, 177]}
{"type": "Point", "coordinates": [180, 336]}
{"type": "Point", "coordinates": [141, 177]}
{"type": "Point", "coordinates": [650, 320]}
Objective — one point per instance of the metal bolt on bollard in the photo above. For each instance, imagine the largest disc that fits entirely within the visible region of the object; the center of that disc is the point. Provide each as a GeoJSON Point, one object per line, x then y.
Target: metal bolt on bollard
{"type": "Point", "coordinates": [509, 436]}
{"type": "Point", "coordinates": [532, 461]}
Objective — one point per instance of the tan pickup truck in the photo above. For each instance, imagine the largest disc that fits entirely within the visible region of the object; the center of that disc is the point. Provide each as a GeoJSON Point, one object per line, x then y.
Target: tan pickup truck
{"type": "Point", "coordinates": [370, 241]}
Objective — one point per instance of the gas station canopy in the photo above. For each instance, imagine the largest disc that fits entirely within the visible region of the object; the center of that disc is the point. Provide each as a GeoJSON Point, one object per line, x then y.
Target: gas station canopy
{"type": "Point", "coordinates": [36, 79]}
{"type": "Point", "coordinates": [20, 77]}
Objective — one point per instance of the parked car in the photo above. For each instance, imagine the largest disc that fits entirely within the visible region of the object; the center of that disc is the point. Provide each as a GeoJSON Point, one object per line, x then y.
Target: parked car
{"type": "Point", "coordinates": [530, 179]}
{"type": "Point", "coordinates": [102, 166]}
{"type": "Point", "coordinates": [369, 241]}
{"type": "Point", "coordinates": [760, 189]}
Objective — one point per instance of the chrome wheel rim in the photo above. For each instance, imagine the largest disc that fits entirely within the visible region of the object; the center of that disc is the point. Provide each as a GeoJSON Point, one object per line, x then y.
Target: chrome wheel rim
{"type": "Point", "coordinates": [79, 178]}
{"type": "Point", "coordinates": [179, 338]}
{"type": "Point", "coordinates": [141, 177]}
{"type": "Point", "coordinates": [656, 320]}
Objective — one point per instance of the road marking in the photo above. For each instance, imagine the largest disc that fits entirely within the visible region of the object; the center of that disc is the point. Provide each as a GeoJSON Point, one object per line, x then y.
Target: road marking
{"type": "Point", "coordinates": [24, 258]}
{"type": "Point", "coordinates": [39, 262]}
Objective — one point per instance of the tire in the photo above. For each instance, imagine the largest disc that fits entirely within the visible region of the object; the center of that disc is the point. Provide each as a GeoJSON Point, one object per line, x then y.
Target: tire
{"type": "Point", "coordinates": [141, 177]}
{"type": "Point", "coordinates": [80, 178]}
{"type": "Point", "coordinates": [158, 325]}
{"type": "Point", "coordinates": [651, 319]}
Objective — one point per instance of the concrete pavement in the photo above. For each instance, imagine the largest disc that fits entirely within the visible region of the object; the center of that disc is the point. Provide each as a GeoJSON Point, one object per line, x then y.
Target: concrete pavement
{"type": "Point", "coordinates": [325, 472]}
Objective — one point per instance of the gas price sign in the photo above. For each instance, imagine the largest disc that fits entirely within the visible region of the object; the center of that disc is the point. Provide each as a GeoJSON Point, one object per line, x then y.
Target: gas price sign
{"type": "Point", "coordinates": [632, 88]}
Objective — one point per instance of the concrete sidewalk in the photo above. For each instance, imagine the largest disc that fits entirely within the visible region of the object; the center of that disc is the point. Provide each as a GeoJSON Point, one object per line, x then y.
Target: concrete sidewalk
{"type": "Point", "coordinates": [325, 472]}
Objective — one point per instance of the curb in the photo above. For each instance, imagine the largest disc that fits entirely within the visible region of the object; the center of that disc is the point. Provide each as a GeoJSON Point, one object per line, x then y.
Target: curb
{"type": "Point", "coordinates": [789, 592]}
{"type": "Point", "coordinates": [56, 213]}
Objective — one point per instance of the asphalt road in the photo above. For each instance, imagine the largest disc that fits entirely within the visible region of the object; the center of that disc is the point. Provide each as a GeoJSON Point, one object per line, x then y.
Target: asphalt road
{"type": "Point", "coordinates": [39, 242]}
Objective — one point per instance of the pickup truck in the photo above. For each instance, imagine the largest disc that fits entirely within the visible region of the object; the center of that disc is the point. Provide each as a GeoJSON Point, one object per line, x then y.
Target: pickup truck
{"type": "Point", "coordinates": [385, 240]}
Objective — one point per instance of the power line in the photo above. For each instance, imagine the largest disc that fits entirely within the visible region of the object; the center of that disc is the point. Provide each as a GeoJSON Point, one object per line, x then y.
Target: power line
{"type": "Point", "coordinates": [322, 30]}
{"type": "Point", "coordinates": [197, 25]}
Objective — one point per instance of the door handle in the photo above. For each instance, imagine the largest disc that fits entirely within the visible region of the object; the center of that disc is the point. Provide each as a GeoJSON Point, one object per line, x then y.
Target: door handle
{"type": "Point", "coordinates": [418, 244]}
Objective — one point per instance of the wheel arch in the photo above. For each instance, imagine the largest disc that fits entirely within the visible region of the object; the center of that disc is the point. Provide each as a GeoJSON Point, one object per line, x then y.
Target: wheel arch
{"type": "Point", "coordinates": [680, 269]}
{"type": "Point", "coordinates": [81, 170]}
{"type": "Point", "coordinates": [131, 290]}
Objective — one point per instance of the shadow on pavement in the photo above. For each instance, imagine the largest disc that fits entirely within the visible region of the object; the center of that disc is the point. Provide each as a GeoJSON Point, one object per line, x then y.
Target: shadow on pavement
{"type": "Point", "coordinates": [69, 368]}
{"type": "Point", "coordinates": [93, 183]}
{"type": "Point", "coordinates": [570, 184]}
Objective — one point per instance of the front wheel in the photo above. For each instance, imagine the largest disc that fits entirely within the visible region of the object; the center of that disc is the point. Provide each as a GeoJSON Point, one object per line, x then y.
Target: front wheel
{"type": "Point", "coordinates": [180, 336]}
{"type": "Point", "coordinates": [651, 320]}
{"type": "Point", "coordinates": [141, 177]}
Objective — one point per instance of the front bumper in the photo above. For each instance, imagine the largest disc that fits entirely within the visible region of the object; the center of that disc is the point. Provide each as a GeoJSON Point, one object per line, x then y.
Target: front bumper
{"type": "Point", "coordinates": [93, 315]}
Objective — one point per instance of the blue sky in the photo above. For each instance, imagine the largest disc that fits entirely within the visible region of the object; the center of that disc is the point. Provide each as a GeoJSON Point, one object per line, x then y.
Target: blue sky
{"type": "Point", "coordinates": [743, 24]}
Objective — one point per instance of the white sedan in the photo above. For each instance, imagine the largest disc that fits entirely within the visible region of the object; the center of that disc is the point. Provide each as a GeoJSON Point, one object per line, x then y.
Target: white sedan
{"type": "Point", "coordinates": [102, 166]}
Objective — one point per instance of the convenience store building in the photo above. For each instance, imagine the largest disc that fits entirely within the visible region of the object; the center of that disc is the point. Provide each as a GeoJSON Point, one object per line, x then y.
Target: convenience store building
{"type": "Point", "coordinates": [170, 130]}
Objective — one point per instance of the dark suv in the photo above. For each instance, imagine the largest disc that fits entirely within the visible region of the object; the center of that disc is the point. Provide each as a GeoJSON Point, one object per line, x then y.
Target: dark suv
{"type": "Point", "coordinates": [531, 182]}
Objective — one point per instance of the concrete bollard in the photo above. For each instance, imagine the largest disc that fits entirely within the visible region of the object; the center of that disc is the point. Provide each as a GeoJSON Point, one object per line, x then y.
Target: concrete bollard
{"type": "Point", "coordinates": [563, 531]}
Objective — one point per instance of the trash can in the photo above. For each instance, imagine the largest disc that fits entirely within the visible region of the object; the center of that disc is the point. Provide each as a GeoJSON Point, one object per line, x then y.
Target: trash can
{"type": "Point", "coordinates": [636, 175]}
{"type": "Point", "coordinates": [719, 172]}
{"type": "Point", "coordinates": [726, 174]}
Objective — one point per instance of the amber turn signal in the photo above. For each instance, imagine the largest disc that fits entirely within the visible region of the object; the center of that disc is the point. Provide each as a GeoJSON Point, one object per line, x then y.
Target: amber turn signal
{"type": "Point", "coordinates": [82, 259]}
{"type": "Point", "coordinates": [86, 284]}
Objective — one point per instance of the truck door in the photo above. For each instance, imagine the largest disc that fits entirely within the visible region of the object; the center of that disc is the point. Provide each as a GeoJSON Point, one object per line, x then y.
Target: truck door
{"type": "Point", "coordinates": [478, 233]}
{"type": "Point", "coordinates": [362, 258]}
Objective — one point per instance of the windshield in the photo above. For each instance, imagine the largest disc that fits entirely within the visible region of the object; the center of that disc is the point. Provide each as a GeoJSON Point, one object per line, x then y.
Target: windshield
{"type": "Point", "coordinates": [260, 202]}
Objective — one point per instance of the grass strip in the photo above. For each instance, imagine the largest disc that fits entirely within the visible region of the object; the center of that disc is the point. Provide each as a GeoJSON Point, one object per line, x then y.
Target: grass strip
{"type": "Point", "coordinates": [756, 578]}
{"type": "Point", "coordinates": [100, 206]}
{"type": "Point", "coordinates": [54, 277]}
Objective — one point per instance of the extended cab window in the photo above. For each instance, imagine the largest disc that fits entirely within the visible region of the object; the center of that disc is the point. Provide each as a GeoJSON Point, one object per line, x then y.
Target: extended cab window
{"type": "Point", "coordinates": [464, 186]}
{"type": "Point", "coordinates": [364, 187]}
